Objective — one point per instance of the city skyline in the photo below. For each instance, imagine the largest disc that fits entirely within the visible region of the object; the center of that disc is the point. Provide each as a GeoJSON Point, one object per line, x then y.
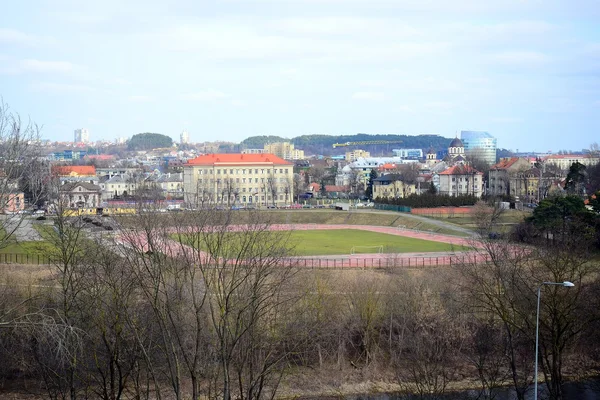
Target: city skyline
{"type": "Point", "coordinates": [527, 72]}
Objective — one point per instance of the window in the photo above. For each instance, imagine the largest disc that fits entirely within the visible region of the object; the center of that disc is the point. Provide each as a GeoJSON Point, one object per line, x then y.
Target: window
{"type": "Point", "coordinates": [256, 171]}
{"type": "Point", "coordinates": [237, 180]}
{"type": "Point", "coordinates": [453, 179]}
{"type": "Point", "coordinates": [255, 180]}
{"type": "Point", "coordinates": [218, 172]}
{"type": "Point", "coordinates": [243, 180]}
{"type": "Point", "coordinates": [231, 172]}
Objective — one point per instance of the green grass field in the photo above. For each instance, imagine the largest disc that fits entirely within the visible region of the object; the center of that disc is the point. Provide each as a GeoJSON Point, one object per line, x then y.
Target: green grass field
{"type": "Point", "coordinates": [341, 241]}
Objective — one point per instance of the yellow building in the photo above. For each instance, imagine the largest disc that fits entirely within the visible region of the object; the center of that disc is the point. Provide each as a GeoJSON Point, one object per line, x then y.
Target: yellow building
{"type": "Point", "coordinates": [352, 156]}
{"type": "Point", "coordinates": [284, 150]}
{"type": "Point", "coordinates": [238, 179]}
{"type": "Point", "coordinates": [391, 186]}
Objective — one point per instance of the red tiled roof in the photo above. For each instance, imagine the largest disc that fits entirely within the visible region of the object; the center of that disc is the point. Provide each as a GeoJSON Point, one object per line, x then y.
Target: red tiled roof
{"type": "Point", "coordinates": [241, 159]}
{"type": "Point", "coordinates": [503, 164]}
{"type": "Point", "coordinates": [74, 170]}
{"type": "Point", "coordinates": [460, 170]}
{"type": "Point", "coordinates": [388, 166]}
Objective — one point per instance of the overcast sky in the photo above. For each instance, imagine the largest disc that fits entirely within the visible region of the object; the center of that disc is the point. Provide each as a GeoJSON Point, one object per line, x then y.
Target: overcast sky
{"type": "Point", "coordinates": [527, 71]}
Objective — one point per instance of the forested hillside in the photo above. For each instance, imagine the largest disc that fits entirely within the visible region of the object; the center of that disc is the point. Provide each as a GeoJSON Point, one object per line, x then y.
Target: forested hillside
{"type": "Point", "coordinates": [322, 144]}
{"type": "Point", "coordinates": [148, 141]}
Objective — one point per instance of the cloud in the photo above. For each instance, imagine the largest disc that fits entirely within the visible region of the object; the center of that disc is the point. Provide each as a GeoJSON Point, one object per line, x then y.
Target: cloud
{"type": "Point", "coordinates": [141, 99]}
{"type": "Point", "coordinates": [53, 87]}
{"type": "Point", "coordinates": [507, 120]}
{"type": "Point", "coordinates": [257, 41]}
{"type": "Point", "coordinates": [406, 109]}
{"type": "Point", "coordinates": [369, 96]}
{"type": "Point", "coordinates": [13, 36]}
{"type": "Point", "coordinates": [32, 65]}
{"type": "Point", "coordinates": [206, 95]}
{"type": "Point", "coordinates": [519, 58]}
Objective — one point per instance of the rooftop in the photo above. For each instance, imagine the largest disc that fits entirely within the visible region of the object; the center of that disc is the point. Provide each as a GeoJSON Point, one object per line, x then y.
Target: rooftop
{"type": "Point", "coordinates": [237, 158]}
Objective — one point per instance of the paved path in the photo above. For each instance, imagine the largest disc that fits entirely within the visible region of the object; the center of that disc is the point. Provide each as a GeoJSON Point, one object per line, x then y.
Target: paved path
{"type": "Point", "coordinates": [21, 227]}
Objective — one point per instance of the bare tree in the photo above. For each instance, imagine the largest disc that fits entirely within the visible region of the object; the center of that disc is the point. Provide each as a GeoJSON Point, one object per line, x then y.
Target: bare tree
{"type": "Point", "coordinates": [19, 157]}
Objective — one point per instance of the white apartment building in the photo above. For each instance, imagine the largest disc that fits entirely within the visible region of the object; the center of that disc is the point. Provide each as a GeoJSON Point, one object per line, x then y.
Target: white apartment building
{"type": "Point", "coordinates": [81, 136]}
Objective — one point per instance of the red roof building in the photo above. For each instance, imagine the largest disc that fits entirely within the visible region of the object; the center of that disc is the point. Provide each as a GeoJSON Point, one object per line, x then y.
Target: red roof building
{"type": "Point", "coordinates": [238, 179]}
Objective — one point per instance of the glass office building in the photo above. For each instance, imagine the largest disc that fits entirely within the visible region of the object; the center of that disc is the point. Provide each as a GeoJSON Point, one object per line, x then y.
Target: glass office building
{"type": "Point", "coordinates": [479, 145]}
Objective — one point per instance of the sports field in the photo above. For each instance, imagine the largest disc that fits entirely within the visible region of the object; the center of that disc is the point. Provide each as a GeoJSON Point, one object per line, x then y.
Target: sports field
{"type": "Point", "coordinates": [341, 241]}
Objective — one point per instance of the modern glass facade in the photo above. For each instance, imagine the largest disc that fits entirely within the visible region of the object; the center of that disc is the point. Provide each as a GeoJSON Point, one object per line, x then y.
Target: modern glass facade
{"type": "Point", "coordinates": [479, 145]}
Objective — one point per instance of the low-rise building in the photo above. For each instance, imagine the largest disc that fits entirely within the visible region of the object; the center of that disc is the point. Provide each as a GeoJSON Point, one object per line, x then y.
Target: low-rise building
{"type": "Point", "coordinates": [564, 161]}
{"type": "Point", "coordinates": [392, 186]}
{"type": "Point", "coordinates": [506, 177]}
{"type": "Point", "coordinates": [80, 195]}
{"type": "Point", "coordinates": [459, 180]}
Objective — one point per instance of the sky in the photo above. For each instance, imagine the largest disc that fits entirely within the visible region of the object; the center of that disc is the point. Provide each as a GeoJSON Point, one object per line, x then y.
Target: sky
{"type": "Point", "coordinates": [527, 71]}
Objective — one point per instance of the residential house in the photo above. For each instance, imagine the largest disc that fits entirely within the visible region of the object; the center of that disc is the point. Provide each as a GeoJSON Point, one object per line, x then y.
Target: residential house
{"type": "Point", "coordinates": [392, 186]}
{"type": "Point", "coordinates": [75, 173]}
{"type": "Point", "coordinates": [509, 178]}
{"type": "Point", "coordinates": [80, 195]}
{"type": "Point", "coordinates": [460, 180]}
{"type": "Point", "coordinates": [119, 186]}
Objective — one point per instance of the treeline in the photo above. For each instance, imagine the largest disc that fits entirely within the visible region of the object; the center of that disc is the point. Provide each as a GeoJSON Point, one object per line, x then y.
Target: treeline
{"type": "Point", "coordinates": [427, 200]}
{"type": "Point", "coordinates": [191, 305]}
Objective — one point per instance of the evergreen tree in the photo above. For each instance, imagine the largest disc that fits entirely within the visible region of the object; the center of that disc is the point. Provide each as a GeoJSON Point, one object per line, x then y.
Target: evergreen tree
{"type": "Point", "coordinates": [369, 191]}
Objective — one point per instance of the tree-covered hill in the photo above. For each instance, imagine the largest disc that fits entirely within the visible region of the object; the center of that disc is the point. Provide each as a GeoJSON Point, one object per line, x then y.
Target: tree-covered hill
{"type": "Point", "coordinates": [322, 144]}
{"type": "Point", "coordinates": [148, 141]}
{"type": "Point", "coordinates": [258, 142]}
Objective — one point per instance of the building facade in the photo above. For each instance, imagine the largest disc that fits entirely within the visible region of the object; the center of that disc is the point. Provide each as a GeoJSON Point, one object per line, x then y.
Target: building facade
{"type": "Point", "coordinates": [480, 146]}
{"type": "Point", "coordinates": [81, 136]}
{"type": "Point", "coordinates": [184, 137]}
{"type": "Point", "coordinates": [413, 154]}
{"type": "Point", "coordinates": [284, 150]}
{"type": "Point", "coordinates": [564, 161]}
{"type": "Point", "coordinates": [354, 155]}
{"type": "Point", "coordinates": [238, 179]}
{"type": "Point", "coordinates": [461, 180]}
{"type": "Point", "coordinates": [392, 186]}
{"type": "Point", "coordinates": [80, 195]}
{"type": "Point", "coordinates": [506, 178]}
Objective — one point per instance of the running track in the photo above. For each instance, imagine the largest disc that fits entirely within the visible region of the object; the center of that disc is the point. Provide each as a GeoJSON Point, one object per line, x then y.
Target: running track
{"type": "Point", "coordinates": [399, 260]}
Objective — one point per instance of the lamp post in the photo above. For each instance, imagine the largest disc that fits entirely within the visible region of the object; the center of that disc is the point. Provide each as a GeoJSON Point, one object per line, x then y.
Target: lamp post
{"type": "Point", "coordinates": [537, 329]}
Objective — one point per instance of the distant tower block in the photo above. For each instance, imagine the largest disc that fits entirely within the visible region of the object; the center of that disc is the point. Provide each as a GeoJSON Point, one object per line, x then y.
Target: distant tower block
{"type": "Point", "coordinates": [81, 136]}
{"type": "Point", "coordinates": [184, 138]}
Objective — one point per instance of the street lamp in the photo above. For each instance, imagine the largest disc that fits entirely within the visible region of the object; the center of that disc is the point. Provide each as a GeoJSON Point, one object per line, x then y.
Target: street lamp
{"type": "Point", "coordinates": [537, 329]}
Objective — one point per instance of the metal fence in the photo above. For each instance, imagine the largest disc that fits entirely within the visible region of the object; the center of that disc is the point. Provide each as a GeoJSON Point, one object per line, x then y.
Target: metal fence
{"type": "Point", "coordinates": [392, 207]}
{"type": "Point", "coordinates": [387, 261]}
{"type": "Point", "coordinates": [21, 258]}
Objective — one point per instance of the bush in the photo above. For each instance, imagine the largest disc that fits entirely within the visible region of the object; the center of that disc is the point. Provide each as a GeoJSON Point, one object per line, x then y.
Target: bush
{"type": "Point", "coordinates": [427, 200]}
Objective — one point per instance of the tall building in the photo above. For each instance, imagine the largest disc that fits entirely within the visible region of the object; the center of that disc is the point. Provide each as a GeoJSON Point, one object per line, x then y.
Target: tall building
{"type": "Point", "coordinates": [354, 155]}
{"type": "Point", "coordinates": [284, 150]}
{"type": "Point", "coordinates": [184, 137]}
{"type": "Point", "coordinates": [81, 136]}
{"type": "Point", "coordinates": [238, 179]}
{"type": "Point", "coordinates": [479, 145]}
